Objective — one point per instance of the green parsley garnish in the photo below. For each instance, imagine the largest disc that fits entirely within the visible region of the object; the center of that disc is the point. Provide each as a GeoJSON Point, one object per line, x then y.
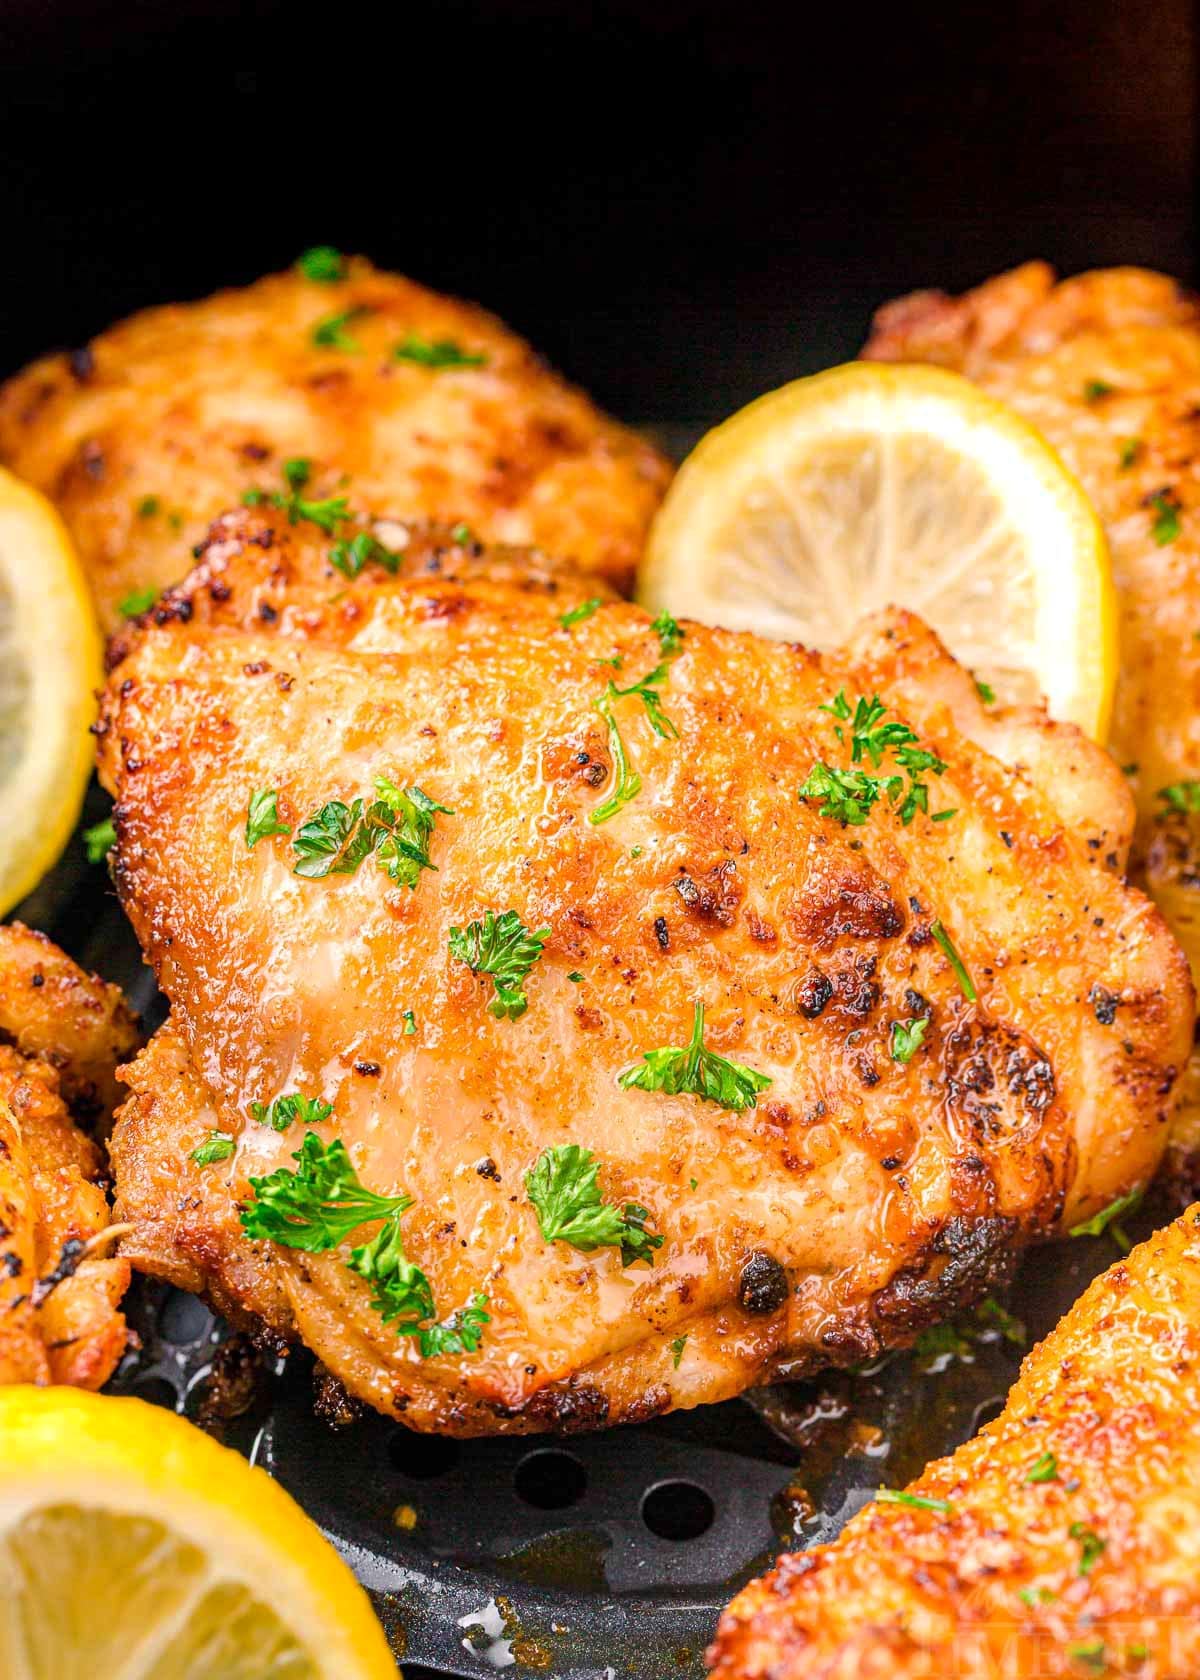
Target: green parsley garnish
{"type": "Point", "coordinates": [564, 1193]}
{"type": "Point", "coordinates": [1091, 1546]}
{"type": "Point", "coordinates": [148, 507]}
{"type": "Point", "coordinates": [1094, 389]}
{"type": "Point", "coordinates": [503, 947]}
{"type": "Point", "coordinates": [396, 827]}
{"type": "Point", "coordinates": [217, 1146]}
{"type": "Point", "coordinates": [1181, 796]}
{"type": "Point", "coordinates": [677, 1347]}
{"type": "Point", "coordinates": [1166, 516]}
{"type": "Point", "coordinates": [575, 977]}
{"type": "Point", "coordinates": [918, 1501]}
{"type": "Point", "coordinates": [1036, 1595]}
{"type": "Point", "coordinates": [462, 534]}
{"type": "Point", "coordinates": [436, 353]}
{"type": "Point", "coordinates": [985, 691]}
{"type": "Point", "coordinates": [576, 615]}
{"type": "Point", "coordinates": [695, 1071]}
{"type": "Point", "coordinates": [410, 1023]}
{"type": "Point", "coordinates": [1131, 449]}
{"type": "Point", "coordinates": [871, 738]}
{"type": "Point", "coordinates": [262, 817]}
{"type": "Point", "coordinates": [328, 514]}
{"type": "Point", "coordinates": [99, 840]}
{"type": "Point", "coordinates": [333, 333]}
{"type": "Point", "coordinates": [349, 558]}
{"type": "Point", "coordinates": [670, 636]}
{"type": "Point", "coordinates": [1045, 1469]}
{"type": "Point", "coordinates": [462, 1332]}
{"type": "Point", "coordinates": [1089, 1651]}
{"type": "Point", "coordinates": [1106, 1219]}
{"type": "Point", "coordinates": [280, 1114]}
{"type": "Point", "coordinates": [907, 1038]}
{"type": "Point", "coordinates": [846, 795]}
{"type": "Point", "coordinates": [322, 262]}
{"type": "Point", "coordinates": [628, 781]}
{"type": "Point", "coordinates": [318, 1206]}
{"type": "Point", "coordinates": [138, 602]}
{"type": "Point", "coordinates": [965, 984]}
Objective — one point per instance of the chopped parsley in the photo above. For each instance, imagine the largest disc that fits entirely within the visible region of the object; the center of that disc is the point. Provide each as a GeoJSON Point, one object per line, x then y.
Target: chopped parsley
{"type": "Point", "coordinates": [324, 263]}
{"type": "Point", "coordinates": [563, 1191]}
{"type": "Point", "coordinates": [217, 1146]}
{"type": "Point", "coordinates": [462, 1332]}
{"type": "Point", "coordinates": [436, 353]}
{"type": "Point", "coordinates": [410, 1023]}
{"type": "Point", "coordinates": [965, 984]}
{"type": "Point", "coordinates": [1130, 454]}
{"type": "Point", "coordinates": [1181, 796]}
{"type": "Point", "coordinates": [462, 534]}
{"type": "Point", "coordinates": [280, 1114]}
{"type": "Point", "coordinates": [1094, 389]}
{"type": "Point", "coordinates": [907, 1038]}
{"type": "Point", "coordinates": [677, 1347]}
{"type": "Point", "coordinates": [576, 615]}
{"type": "Point", "coordinates": [396, 827]}
{"type": "Point", "coordinates": [670, 636]}
{"type": "Point", "coordinates": [575, 977]}
{"type": "Point", "coordinates": [262, 817]}
{"type": "Point", "coordinates": [503, 947]}
{"type": "Point", "coordinates": [1091, 1546]}
{"type": "Point", "coordinates": [1036, 1595]}
{"type": "Point", "coordinates": [985, 692]}
{"type": "Point", "coordinates": [99, 840]}
{"type": "Point", "coordinates": [328, 513]}
{"type": "Point", "coordinates": [333, 333]}
{"type": "Point", "coordinates": [1089, 1651]}
{"type": "Point", "coordinates": [628, 781]}
{"type": "Point", "coordinates": [349, 558]}
{"type": "Point", "coordinates": [1045, 1469]}
{"type": "Point", "coordinates": [148, 507]}
{"type": "Point", "coordinates": [848, 796]}
{"type": "Point", "coordinates": [872, 739]}
{"type": "Point", "coordinates": [1106, 1219]}
{"type": "Point", "coordinates": [695, 1071]}
{"type": "Point", "coordinates": [917, 1501]}
{"type": "Point", "coordinates": [1166, 516]}
{"type": "Point", "coordinates": [138, 602]}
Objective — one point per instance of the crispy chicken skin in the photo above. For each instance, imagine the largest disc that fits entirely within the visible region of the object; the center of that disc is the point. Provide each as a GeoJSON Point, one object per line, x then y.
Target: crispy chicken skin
{"type": "Point", "coordinates": [167, 418]}
{"type": "Point", "coordinates": [1070, 1545]}
{"type": "Point", "coordinates": [63, 1032]}
{"type": "Point", "coordinates": [873, 1196]}
{"type": "Point", "coordinates": [1107, 366]}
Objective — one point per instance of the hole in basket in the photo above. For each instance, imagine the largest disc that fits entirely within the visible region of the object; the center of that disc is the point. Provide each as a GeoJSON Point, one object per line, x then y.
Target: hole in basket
{"type": "Point", "coordinates": [550, 1479]}
{"type": "Point", "coordinates": [678, 1511]}
{"type": "Point", "coordinates": [422, 1456]}
{"type": "Point", "coordinates": [184, 1318]}
{"type": "Point", "coordinates": [158, 1391]}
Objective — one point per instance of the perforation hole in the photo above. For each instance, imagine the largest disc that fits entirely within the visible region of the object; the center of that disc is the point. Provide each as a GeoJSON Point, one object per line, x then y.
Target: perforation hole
{"type": "Point", "coordinates": [678, 1511]}
{"type": "Point", "coordinates": [550, 1479]}
{"type": "Point", "coordinates": [422, 1456]}
{"type": "Point", "coordinates": [158, 1391]}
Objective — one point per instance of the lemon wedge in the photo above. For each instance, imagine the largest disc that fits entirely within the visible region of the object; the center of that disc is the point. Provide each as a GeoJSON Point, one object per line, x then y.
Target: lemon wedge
{"type": "Point", "coordinates": [50, 668]}
{"type": "Point", "coordinates": [873, 485]}
{"type": "Point", "coordinates": [133, 1547]}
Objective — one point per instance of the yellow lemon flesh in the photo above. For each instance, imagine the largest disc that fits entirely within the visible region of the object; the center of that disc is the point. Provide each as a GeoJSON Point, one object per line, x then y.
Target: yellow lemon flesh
{"type": "Point", "coordinates": [133, 1547]}
{"type": "Point", "coordinates": [50, 668]}
{"type": "Point", "coordinates": [871, 485]}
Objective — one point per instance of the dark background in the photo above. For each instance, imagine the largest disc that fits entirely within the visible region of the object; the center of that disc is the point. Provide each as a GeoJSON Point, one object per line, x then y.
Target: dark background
{"type": "Point", "coordinates": [681, 203]}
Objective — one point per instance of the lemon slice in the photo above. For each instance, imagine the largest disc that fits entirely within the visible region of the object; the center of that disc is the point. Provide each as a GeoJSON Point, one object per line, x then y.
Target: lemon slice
{"type": "Point", "coordinates": [50, 667]}
{"type": "Point", "coordinates": [133, 1547]}
{"type": "Point", "coordinates": [870, 486]}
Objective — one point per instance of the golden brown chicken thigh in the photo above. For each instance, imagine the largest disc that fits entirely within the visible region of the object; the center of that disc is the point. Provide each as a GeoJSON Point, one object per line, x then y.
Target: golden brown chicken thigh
{"type": "Point", "coordinates": [63, 1033]}
{"type": "Point", "coordinates": [1062, 1540]}
{"type": "Point", "coordinates": [168, 418]}
{"type": "Point", "coordinates": [1107, 366]}
{"type": "Point", "coordinates": [914, 1045]}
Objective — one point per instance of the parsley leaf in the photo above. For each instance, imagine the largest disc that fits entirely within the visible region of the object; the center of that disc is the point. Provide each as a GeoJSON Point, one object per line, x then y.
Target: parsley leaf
{"type": "Point", "coordinates": [503, 947]}
{"type": "Point", "coordinates": [333, 842]}
{"type": "Point", "coordinates": [1036, 1595]}
{"type": "Point", "coordinates": [628, 781]}
{"type": "Point", "coordinates": [324, 263]}
{"type": "Point", "coordinates": [848, 796]}
{"type": "Point", "coordinates": [1091, 1546]}
{"type": "Point", "coordinates": [986, 692]}
{"type": "Point", "coordinates": [1045, 1469]}
{"type": "Point", "coordinates": [333, 333]}
{"type": "Point", "coordinates": [280, 1114]}
{"type": "Point", "coordinates": [1181, 796]}
{"type": "Point", "coordinates": [462, 1332]}
{"type": "Point", "coordinates": [397, 827]}
{"type": "Point", "coordinates": [320, 1204]}
{"type": "Point", "coordinates": [1166, 516]}
{"type": "Point", "coordinates": [99, 840]}
{"type": "Point", "coordinates": [670, 636]}
{"type": "Point", "coordinates": [698, 1072]}
{"type": "Point", "coordinates": [436, 353]}
{"type": "Point", "coordinates": [148, 507]}
{"type": "Point", "coordinates": [1094, 389]}
{"type": "Point", "coordinates": [217, 1146]}
{"type": "Point", "coordinates": [576, 615]}
{"type": "Point", "coordinates": [1131, 451]}
{"type": "Point", "coordinates": [907, 1038]}
{"type": "Point", "coordinates": [965, 984]}
{"type": "Point", "coordinates": [400, 1292]}
{"type": "Point", "coordinates": [1090, 1652]}
{"type": "Point", "coordinates": [917, 1501]}
{"type": "Point", "coordinates": [564, 1193]}
{"type": "Point", "coordinates": [349, 558]}
{"type": "Point", "coordinates": [328, 514]}
{"type": "Point", "coordinates": [1100, 1222]}
{"type": "Point", "coordinates": [410, 1023]}
{"type": "Point", "coordinates": [677, 1347]}
{"type": "Point", "coordinates": [262, 817]}
{"type": "Point", "coordinates": [871, 738]}
{"type": "Point", "coordinates": [138, 602]}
